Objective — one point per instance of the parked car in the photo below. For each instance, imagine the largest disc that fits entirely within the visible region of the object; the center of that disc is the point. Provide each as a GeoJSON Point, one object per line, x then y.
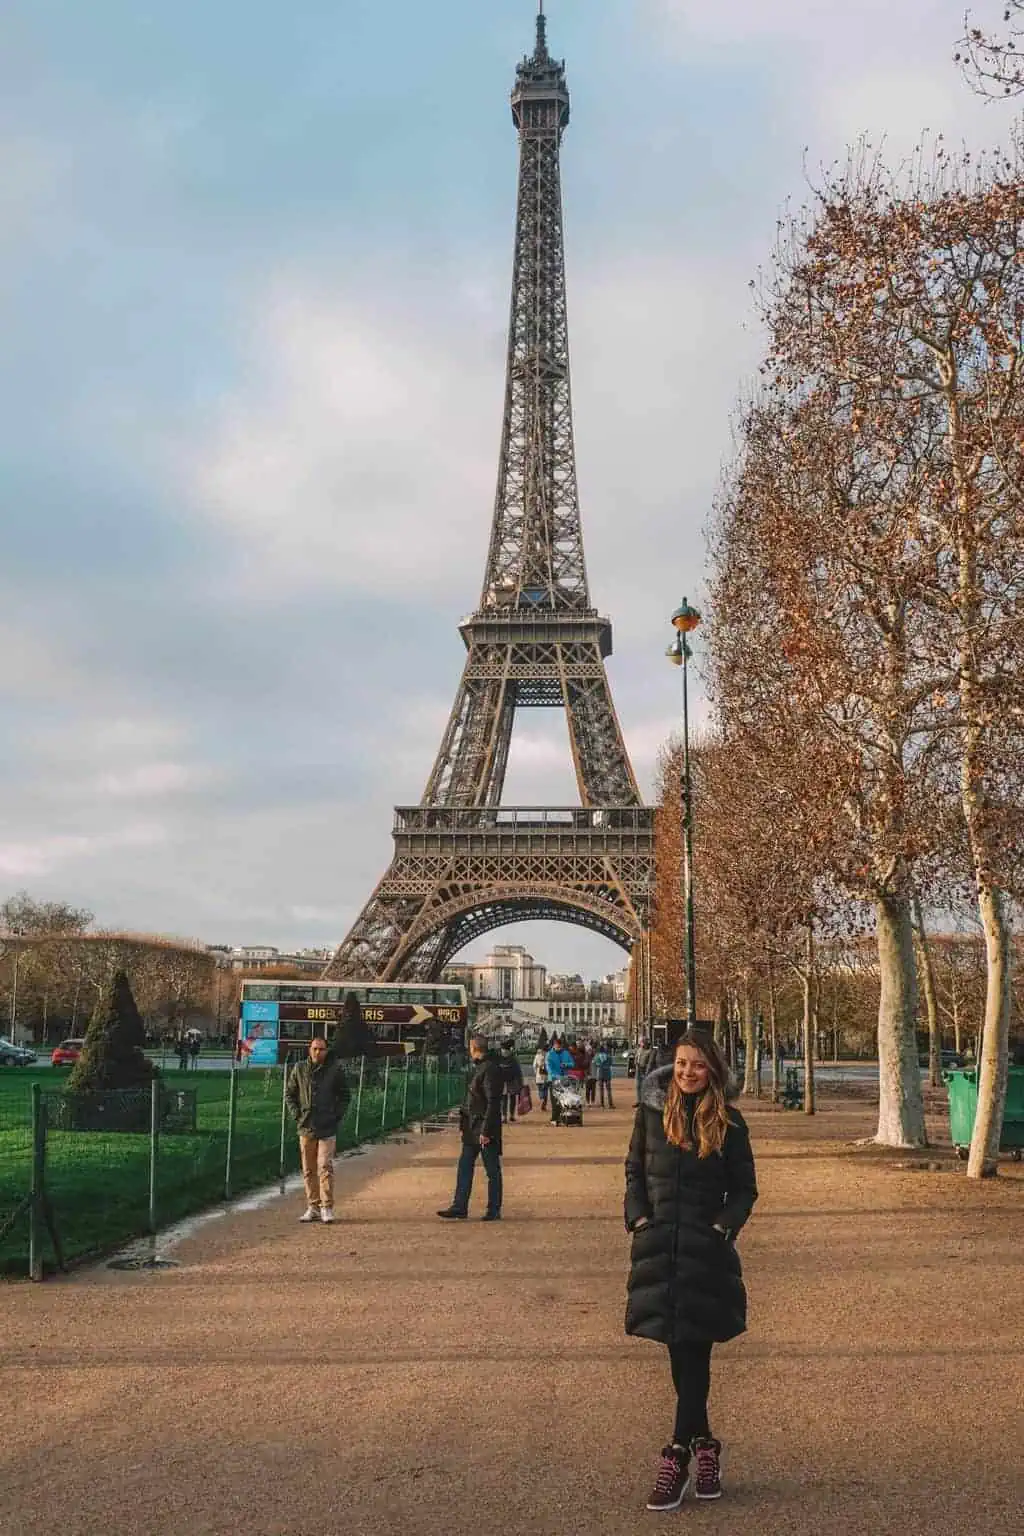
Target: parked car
{"type": "Point", "coordinates": [12, 1055]}
{"type": "Point", "coordinates": [947, 1059]}
{"type": "Point", "coordinates": [67, 1053]}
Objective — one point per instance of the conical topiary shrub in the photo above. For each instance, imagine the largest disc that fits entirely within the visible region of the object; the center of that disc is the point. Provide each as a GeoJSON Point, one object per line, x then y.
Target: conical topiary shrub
{"type": "Point", "coordinates": [112, 1056]}
{"type": "Point", "coordinates": [350, 1037]}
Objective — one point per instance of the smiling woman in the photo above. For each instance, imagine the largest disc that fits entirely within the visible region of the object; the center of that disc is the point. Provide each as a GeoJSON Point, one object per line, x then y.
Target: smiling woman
{"type": "Point", "coordinates": [690, 1187]}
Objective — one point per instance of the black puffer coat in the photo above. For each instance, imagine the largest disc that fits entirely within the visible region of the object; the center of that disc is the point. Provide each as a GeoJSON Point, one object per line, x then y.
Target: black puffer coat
{"type": "Point", "coordinates": [685, 1281]}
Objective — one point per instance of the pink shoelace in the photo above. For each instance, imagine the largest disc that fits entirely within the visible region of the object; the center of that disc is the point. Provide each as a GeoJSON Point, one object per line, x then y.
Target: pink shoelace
{"type": "Point", "coordinates": [668, 1471]}
{"type": "Point", "coordinates": [707, 1465]}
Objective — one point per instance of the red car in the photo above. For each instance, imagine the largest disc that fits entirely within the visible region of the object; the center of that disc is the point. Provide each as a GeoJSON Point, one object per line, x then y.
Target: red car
{"type": "Point", "coordinates": [67, 1053]}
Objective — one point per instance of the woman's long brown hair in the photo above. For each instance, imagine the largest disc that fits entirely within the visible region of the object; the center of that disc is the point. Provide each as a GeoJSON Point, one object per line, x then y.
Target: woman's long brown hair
{"type": "Point", "coordinates": [711, 1117]}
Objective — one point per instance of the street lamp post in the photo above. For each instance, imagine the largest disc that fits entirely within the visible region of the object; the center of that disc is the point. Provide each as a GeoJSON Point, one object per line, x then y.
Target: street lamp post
{"type": "Point", "coordinates": [685, 621]}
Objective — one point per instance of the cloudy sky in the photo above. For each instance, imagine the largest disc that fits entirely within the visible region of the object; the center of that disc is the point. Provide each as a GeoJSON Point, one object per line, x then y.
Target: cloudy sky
{"type": "Point", "coordinates": [254, 268]}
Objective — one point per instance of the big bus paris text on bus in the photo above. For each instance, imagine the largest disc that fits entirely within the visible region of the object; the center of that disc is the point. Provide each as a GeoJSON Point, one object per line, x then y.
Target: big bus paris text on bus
{"type": "Point", "coordinates": [279, 1018]}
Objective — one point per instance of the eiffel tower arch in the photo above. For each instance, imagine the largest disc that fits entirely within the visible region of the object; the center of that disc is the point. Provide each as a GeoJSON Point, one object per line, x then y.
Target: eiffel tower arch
{"type": "Point", "coordinates": [464, 863]}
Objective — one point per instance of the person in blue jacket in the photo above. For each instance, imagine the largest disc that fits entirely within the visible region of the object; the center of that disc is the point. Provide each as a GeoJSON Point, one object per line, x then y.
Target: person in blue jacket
{"type": "Point", "coordinates": [603, 1069]}
{"type": "Point", "coordinates": [559, 1063]}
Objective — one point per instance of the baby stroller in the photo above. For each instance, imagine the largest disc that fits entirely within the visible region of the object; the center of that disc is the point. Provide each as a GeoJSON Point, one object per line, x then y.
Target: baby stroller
{"type": "Point", "coordinates": [568, 1097]}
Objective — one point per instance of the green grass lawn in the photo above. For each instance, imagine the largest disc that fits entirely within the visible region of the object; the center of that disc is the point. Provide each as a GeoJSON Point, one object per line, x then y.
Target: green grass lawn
{"type": "Point", "coordinates": [98, 1183]}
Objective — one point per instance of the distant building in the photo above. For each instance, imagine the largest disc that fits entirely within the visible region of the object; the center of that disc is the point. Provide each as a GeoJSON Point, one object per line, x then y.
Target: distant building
{"type": "Point", "coordinates": [510, 978]}
{"type": "Point", "coordinates": [564, 988]}
{"type": "Point", "coordinates": [263, 957]}
{"type": "Point", "coordinates": [508, 974]}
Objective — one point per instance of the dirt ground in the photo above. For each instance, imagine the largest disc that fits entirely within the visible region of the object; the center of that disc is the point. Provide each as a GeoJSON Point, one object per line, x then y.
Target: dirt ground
{"type": "Point", "coordinates": [394, 1374]}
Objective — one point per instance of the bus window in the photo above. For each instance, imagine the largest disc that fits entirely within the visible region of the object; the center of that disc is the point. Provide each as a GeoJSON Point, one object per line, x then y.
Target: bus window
{"type": "Point", "coordinates": [298, 1030]}
{"type": "Point", "coordinates": [259, 992]}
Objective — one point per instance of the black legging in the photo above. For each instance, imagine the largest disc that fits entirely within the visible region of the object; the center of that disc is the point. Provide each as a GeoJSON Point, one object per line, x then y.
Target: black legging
{"type": "Point", "coordinates": [691, 1377]}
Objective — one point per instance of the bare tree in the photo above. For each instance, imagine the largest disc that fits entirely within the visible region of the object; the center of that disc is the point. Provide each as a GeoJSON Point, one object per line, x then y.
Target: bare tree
{"type": "Point", "coordinates": [993, 64]}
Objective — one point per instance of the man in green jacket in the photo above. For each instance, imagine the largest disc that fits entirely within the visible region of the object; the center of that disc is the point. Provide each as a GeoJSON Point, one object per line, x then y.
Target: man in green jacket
{"type": "Point", "coordinates": [317, 1096]}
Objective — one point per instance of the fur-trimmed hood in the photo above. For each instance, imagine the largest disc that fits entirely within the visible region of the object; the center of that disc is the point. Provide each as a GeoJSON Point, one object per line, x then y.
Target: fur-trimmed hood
{"type": "Point", "coordinates": [654, 1089]}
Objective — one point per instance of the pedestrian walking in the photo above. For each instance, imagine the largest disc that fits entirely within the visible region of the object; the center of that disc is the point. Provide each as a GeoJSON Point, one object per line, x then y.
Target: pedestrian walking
{"type": "Point", "coordinates": [540, 1075]}
{"type": "Point", "coordinates": [559, 1063]}
{"type": "Point", "coordinates": [603, 1067]}
{"type": "Point", "coordinates": [589, 1074]}
{"type": "Point", "coordinates": [512, 1078]}
{"type": "Point", "coordinates": [480, 1123]}
{"type": "Point", "coordinates": [317, 1096]}
{"type": "Point", "coordinates": [690, 1186]}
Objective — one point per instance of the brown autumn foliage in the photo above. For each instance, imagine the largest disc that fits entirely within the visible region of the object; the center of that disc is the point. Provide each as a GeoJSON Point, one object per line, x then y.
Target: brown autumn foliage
{"type": "Point", "coordinates": [869, 562]}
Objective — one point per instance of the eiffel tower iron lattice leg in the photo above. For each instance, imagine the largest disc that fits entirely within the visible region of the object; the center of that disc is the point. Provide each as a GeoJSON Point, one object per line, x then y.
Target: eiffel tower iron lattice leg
{"type": "Point", "coordinates": [463, 863]}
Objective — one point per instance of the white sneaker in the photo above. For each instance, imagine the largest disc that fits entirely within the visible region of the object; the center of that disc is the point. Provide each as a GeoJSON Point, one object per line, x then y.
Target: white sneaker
{"type": "Point", "coordinates": [326, 1216]}
{"type": "Point", "coordinates": [311, 1213]}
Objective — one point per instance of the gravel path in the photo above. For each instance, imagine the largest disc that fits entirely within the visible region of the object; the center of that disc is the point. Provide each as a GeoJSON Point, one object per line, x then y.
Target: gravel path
{"type": "Point", "coordinates": [392, 1374]}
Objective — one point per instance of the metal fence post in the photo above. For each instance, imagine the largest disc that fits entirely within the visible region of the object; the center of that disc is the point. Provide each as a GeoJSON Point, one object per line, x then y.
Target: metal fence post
{"type": "Point", "coordinates": [232, 1111]}
{"type": "Point", "coordinates": [154, 1140]}
{"type": "Point", "coordinates": [384, 1107]}
{"type": "Point", "coordinates": [359, 1097]}
{"type": "Point", "coordinates": [35, 1257]}
{"type": "Point", "coordinates": [284, 1121]}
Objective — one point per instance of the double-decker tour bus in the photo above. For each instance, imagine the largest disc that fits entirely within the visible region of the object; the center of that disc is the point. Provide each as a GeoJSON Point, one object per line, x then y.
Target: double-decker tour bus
{"type": "Point", "coordinates": [277, 1018]}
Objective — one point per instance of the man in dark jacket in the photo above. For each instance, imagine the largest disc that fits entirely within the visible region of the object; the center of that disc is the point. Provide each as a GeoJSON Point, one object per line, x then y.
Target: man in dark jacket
{"type": "Point", "coordinates": [317, 1096]}
{"type": "Point", "coordinates": [512, 1078]}
{"type": "Point", "coordinates": [480, 1122]}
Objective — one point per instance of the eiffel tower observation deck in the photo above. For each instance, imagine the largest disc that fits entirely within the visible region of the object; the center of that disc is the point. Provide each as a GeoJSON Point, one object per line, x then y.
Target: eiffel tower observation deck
{"type": "Point", "coordinates": [463, 863]}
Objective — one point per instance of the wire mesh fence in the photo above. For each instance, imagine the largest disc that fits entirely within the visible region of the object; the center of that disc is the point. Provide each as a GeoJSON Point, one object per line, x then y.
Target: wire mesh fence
{"type": "Point", "coordinates": [80, 1174]}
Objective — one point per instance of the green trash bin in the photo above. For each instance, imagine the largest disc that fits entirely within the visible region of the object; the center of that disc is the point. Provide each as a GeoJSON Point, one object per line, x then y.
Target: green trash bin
{"type": "Point", "coordinates": [963, 1106]}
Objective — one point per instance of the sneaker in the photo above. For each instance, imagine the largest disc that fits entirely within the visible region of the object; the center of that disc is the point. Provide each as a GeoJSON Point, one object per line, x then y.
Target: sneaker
{"type": "Point", "coordinates": [326, 1215]}
{"type": "Point", "coordinates": [451, 1214]}
{"type": "Point", "coordinates": [707, 1454]}
{"type": "Point", "coordinates": [672, 1480]}
{"type": "Point", "coordinates": [311, 1213]}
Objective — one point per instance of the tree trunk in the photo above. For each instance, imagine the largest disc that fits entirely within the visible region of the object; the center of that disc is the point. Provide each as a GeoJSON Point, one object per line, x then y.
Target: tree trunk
{"type": "Point", "coordinates": [809, 1023]}
{"type": "Point", "coordinates": [773, 1026]}
{"type": "Point", "coordinates": [900, 1103]}
{"type": "Point", "coordinates": [983, 1161]}
{"type": "Point", "coordinates": [751, 1076]}
{"type": "Point", "coordinates": [957, 1041]}
{"type": "Point", "coordinates": [931, 1002]}
{"type": "Point", "coordinates": [722, 1024]}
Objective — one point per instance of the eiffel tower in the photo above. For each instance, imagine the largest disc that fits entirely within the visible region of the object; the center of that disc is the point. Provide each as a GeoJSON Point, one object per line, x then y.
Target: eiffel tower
{"type": "Point", "coordinates": [463, 863]}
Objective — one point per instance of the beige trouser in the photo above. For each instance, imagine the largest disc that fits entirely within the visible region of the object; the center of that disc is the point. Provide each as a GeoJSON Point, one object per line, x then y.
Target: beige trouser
{"type": "Point", "coordinates": [318, 1169]}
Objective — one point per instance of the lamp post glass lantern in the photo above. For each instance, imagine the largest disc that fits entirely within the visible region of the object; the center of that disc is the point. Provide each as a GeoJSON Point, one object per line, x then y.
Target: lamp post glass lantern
{"type": "Point", "coordinates": [685, 621]}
